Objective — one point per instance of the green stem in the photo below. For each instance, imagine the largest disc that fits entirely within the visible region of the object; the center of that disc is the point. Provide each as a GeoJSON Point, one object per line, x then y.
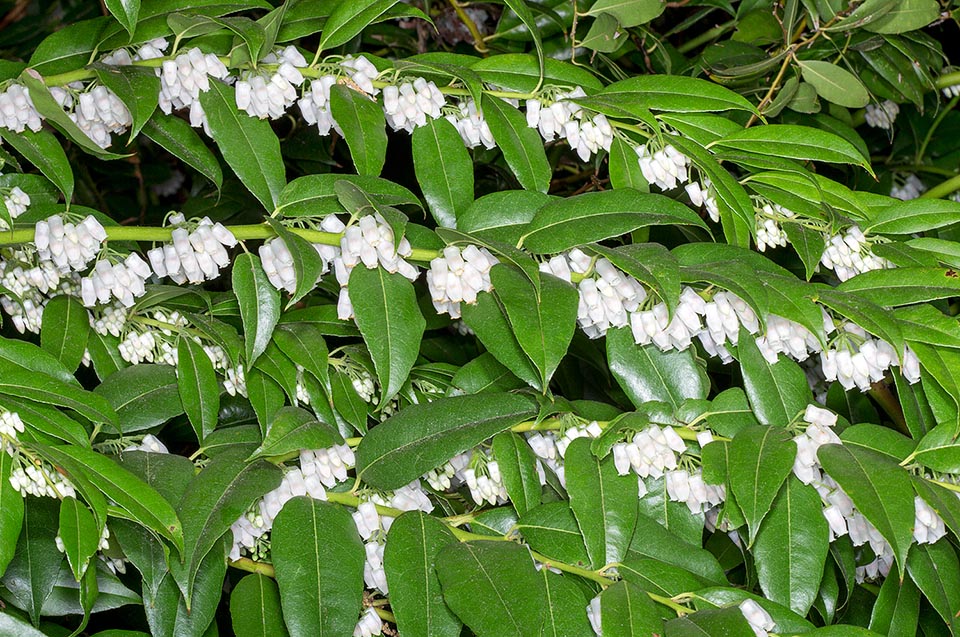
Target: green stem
{"type": "Point", "coordinates": [948, 79]}
{"type": "Point", "coordinates": [246, 564]}
{"type": "Point", "coordinates": [922, 150]}
{"type": "Point", "coordinates": [943, 189]}
{"type": "Point", "coordinates": [599, 578]}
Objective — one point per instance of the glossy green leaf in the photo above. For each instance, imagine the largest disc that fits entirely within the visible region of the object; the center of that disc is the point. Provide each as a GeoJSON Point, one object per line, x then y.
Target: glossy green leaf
{"type": "Point", "coordinates": [307, 263]}
{"type": "Point", "coordinates": [778, 392]}
{"type": "Point", "coordinates": [180, 140]}
{"type": "Point", "coordinates": [44, 151]}
{"type": "Point", "coordinates": [711, 621]}
{"type": "Point", "coordinates": [517, 464]}
{"type": "Point", "coordinates": [574, 221]}
{"type": "Point", "coordinates": [627, 611]}
{"type": "Point", "coordinates": [390, 321]}
{"type": "Point", "coordinates": [879, 488]}
{"type": "Point", "coordinates": [906, 15]}
{"type": "Point", "coordinates": [791, 547]}
{"type": "Point", "coordinates": [522, 147]}
{"type": "Point", "coordinates": [143, 396]}
{"type": "Point", "coordinates": [22, 382]}
{"type": "Point", "coordinates": [11, 625]}
{"type": "Point", "coordinates": [248, 144]}
{"type": "Point", "coordinates": [213, 500]}
{"type": "Point", "coordinates": [551, 529]}
{"type": "Point", "coordinates": [444, 169]}
{"type": "Point", "coordinates": [761, 458]}
{"type": "Point", "coordinates": [198, 387]}
{"type": "Point", "coordinates": [652, 540]}
{"type": "Point", "coordinates": [11, 513]}
{"type": "Point", "coordinates": [493, 587]}
{"type": "Point", "coordinates": [303, 343]}
{"type": "Point", "coordinates": [126, 12]}
{"type": "Point", "coordinates": [675, 94]}
{"type": "Point", "coordinates": [939, 449]}
{"type": "Point", "coordinates": [64, 329]}
{"type": "Point", "coordinates": [259, 304]}
{"type": "Point", "coordinates": [542, 320]}
{"type": "Point", "coordinates": [897, 609]}
{"type": "Point", "coordinates": [255, 608]}
{"type": "Point", "coordinates": [647, 373]}
{"type": "Point", "coordinates": [410, 558]}
{"type": "Point", "coordinates": [835, 84]}
{"type": "Point", "coordinates": [936, 571]}
{"type": "Point", "coordinates": [624, 168]}
{"type": "Point", "coordinates": [565, 607]}
{"type": "Point", "coordinates": [136, 87]}
{"type": "Point", "coordinates": [31, 575]}
{"type": "Point", "coordinates": [319, 559]}
{"type": "Point", "coordinates": [795, 142]}
{"type": "Point", "coordinates": [363, 124]}
{"type": "Point", "coordinates": [422, 437]}
{"type": "Point", "coordinates": [911, 285]}
{"type": "Point", "coordinates": [293, 429]}
{"type": "Point", "coordinates": [346, 21]}
{"type": "Point", "coordinates": [488, 319]}
{"type": "Point", "coordinates": [604, 503]}
{"type": "Point", "coordinates": [629, 13]}
{"type": "Point", "coordinates": [79, 533]}
{"type": "Point", "coordinates": [501, 216]}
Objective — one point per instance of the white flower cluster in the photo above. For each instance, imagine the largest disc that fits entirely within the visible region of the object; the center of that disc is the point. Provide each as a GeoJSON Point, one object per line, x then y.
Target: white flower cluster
{"type": "Point", "coordinates": [882, 115]}
{"type": "Point", "coordinates": [819, 432]}
{"type": "Point", "coordinates": [450, 474]}
{"type": "Point", "coordinates": [152, 345]}
{"type": "Point", "coordinates": [700, 195]}
{"type": "Point", "coordinates": [369, 625]}
{"type": "Point", "coordinates": [928, 526]}
{"type": "Point", "coordinates": [607, 295]}
{"type": "Point", "coordinates": [10, 427]}
{"type": "Point", "coordinates": [471, 125]}
{"type": "Point", "coordinates": [860, 366]}
{"type": "Point", "coordinates": [594, 615]}
{"type": "Point", "coordinates": [784, 336]}
{"type": "Point", "coordinates": [550, 448]}
{"type": "Point", "coordinates": [458, 276]}
{"type": "Point", "coordinates": [688, 487]}
{"type": "Point", "coordinates": [485, 483]}
{"type": "Point", "coordinates": [41, 480]}
{"type": "Point", "coordinates": [184, 78]}
{"type": "Point", "coordinates": [278, 263]}
{"type": "Point", "coordinates": [68, 246]}
{"type": "Point", "coordinates": [17, 111]}
{"type": "Point", "coordinates": [651, 452]}
{"type": "Point", "coordinates": [769, 232]}
{"type": "Point", "coordinates": [666, 168]}
{"type": "Point", "coordinates": [123, 280]}
{"type": "Point", "coordinates": [193, 256]}
{"type": "Point", "coordinates": [97, 111]}
{"type": "Point", "coordinates": [371, 242]}
{"type": "Point", "coordinates": [16, 202]}
{"type": "Point", "coordinates": [315, 105]}
{"type": "Point", "coordinates": [759, 619]}
{"type": "Point", "coordinates": [951, 91]}
{"type": "Point", "coordinates": [587, 134]}
{"type": "Point", "coordinates": [723, 316]}
{"type": "Point", "coordinates": [407, 106]}
{"type": "Point", "coordinates": [265, 95]}
{"type": "Point", "coordinates": [655, 325]}
{"type": "Point", "coordinates": [849, 254]}
{"type": "Point", "coordinates": [102, 546]}
{"type": "Point", "coordinates": [28, 281]}
{"type": "Point", "coordinates": [361, 72]}
{"type": "Point", "coordinates": [149, 444]}
{"type": "Point", "coordinates": [906, 188]}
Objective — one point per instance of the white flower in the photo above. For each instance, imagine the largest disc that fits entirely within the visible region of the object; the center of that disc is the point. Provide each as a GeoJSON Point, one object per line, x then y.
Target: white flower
{"type": "Point", "coordinates": [594, 615]}
{"type": "Point", "coordinates": [459, 276]}
{"type": "Point", "coordinates": [759, 619]}
{"type": "Point", "coordinates": [123, 281]}
{"type": "Point", "coordinates": [370, 624]}
{"type": "Point", "coordinates": [10, 424]}
{"type": "Point", "coordinates": [193, 256]}
{"type": "Point", "coordinates": [41, 480]}
{"type": "Point", "coordinates": [265, 95]}
{"type": "Point", "coordinates": [882, 115]}
{"type": "Point", "coordinates": [17, 111]}
{"type": "Point", "coordinates": [68, 246]}
{"type": "Point", "coordinates": [909, 187]}
{"type": "Point", "coordinates": [471, 125]}
{"type": "Point", "coordinates": [409, 105]}
{"type": "Point", "coordinates": [374, 576]}
{"type": "Point", "coordinates": [329, 465]}
{"type": "Point", "coordinates": [653, 326]}
{"type": "Point", "coordinates": [16, 202]}
{"type": "Point", "coordinates": [666, 168]}
{"type": "Point", "coordinates": [150, 444]}
{"type": "Point", "coordinates": [362, 73]}
{"type": "Point", "coordinates": [849, 254]}
{"type": "Point", "coordinates": [928, 527]}
{"type": "Point", "coordinates": [315, 105]}
{"type": "Point", "coordinates": [653, 452]}
{"type": "Point", "coordinates": [184, 78]}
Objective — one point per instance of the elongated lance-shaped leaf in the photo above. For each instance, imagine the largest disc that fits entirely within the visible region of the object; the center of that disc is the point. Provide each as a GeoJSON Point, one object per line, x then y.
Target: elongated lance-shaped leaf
{"type": "Point", "coordinates": [627, 611]}
{"type": "Point", "coordinates": [761, 458]}
{"type": "Point", "coordinates": [364, 127]}
{"type": "Point", "coordinates": [64, 330]}
{"type": "Point", "coordinates": [936, 571]}
{"type": "Point", "coordinates": [410, 557]}
{"type": "Point", "coordinates": [255, 608]}
{"type": "Point", "coordinates": [44, 151]}
{"type": "Point", "coordinates": [318, 558]}
{"type": "Point", "coordinates": [79, 533]}
{"type": "Point", "coordinates": [31, 576]}
{"type": "Point", "coordinates": [143, 396]}
{"type": "Point", "coordinates": [647, 373]}
{"type": "Point", "coordinates": [517, 464]}
{"type": "Point", "coordinates": [259, 304]}
{"type": "Point", "coordinates": [444, 169]}
{"type": "Point", "coordinates": [348, 19]}
{"type": "Point", "coordinates": [198, 387]}
{"type": "Point", "coordinates": [11, 512]}
{"type": "Point", "coordinates": [777, 392]}
{"type": "Point", "coordinates": [180, 140]}
{"type": "Point", "coordinates": [521, 146]}
{"type": "Point", "coordinates": [422, 437]}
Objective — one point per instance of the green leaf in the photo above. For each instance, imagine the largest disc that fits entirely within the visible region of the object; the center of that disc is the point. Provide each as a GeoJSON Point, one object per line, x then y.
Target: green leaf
{"type": "Point", "coordinates": [629, 13]}
{"type": "Point", "coordinates": [864, 313]}
{"type": "Point", "coordinates": [916, 215]}
{"type": "Point", "coordinates": [11, 513]}
{"type": "Point", "coordinates": [761, 458]}
{"type": "Point", "coordinates": [79, 533]}
{"type": "Point", "coordinates": [252, 34]}
{"type": "Point", "coordinates": [627, 611]}
{"type": "Point", "coordinates": [136, 87]}
{"type": "Point", "coordinates": [143, 396]}
{"type": "Point", "coordinates": [711, 621]}
{"type": "Point", "coordinates": [259, 304]}
{"type": "Point", "coordinates": [488, 319]}
{"type": "Point", "coordinates": [390, 321]}
{"type": "Point", "coordinates": [809, 245]}
{"type": "Point", "coordinates": [566, 607]}
{"type": "Point", "coordinates": [552, 530]}
{"type": "Point", "coordinates": [778, 392]}
{"type": "Point", "coordinates": [522, 147]}
{"type": "Point", "coordinates": [910, 285]}
{"type": "Point", "coordinates": [316, 194]}
{"type": "Point", "coordinates": [517, 464]}
{"type": "Point", "coordinates": [651, 264]}
{"type": "Point", "coordinates": [646, 373]}
{"type": "Point", "coordinates": [347, 20]}
{"type": "Point", "coordinates": [522, 72]}
{"type": "Point", "coordinates": [624, 168]}
{"type": "Point", "coordinates": [198, 387]}
{"type": "Point", "coordinates": [675, 94]}
{"type": "Point", "coordinates": [141, 501]}
{"type": "Point", "coordinates": [307, 263]}
{"type": "Point", "coordinates": [651, 540]}
{"type": "Point", "coordinates": [31, 575]}
{"type": "Point", "coordinates": [248, 144]}
{"type": "Point", "coordinates": [319, 559]}
{"type": "Point", "coordinates": [293, 429]}
{"type": "Point", "coordinates": [897, 608]}
{"type": "Point", "coordinates": [363, 124]}
{"type": "Point", "coordinates": [542, 320]}
{"type": "Point", "coordinates": [68, 48]}
{"type": "Point", "coordinates": [791, 547]}
{"type": "Point", "coordinates": [906, 15]}
{"type": "Point", "coordinates": [880, 439]}
{"type": "Point", "coordinates": [483, 374]}
{"type": "Point", "coordinates": [126, 13]}
{"type": "Point", "coordinates": [493, 587]}
{"type": "Point", "coordinates": [255, 608]}
{"type": "Point", "coordinates": [64, 329]}
{"type": "Point", "coordinates": [939, 449]}
{"type": "Point", "coordinates": [834, 83]}
{"type": "Point", "coordinates": [795, 142]}
{"type": "Point", "coordinates": [410, 559]}
{"type": "Point", "coordinates": [303, 343]}
{"type": "Point", "coordinates": [180, 140]}
{"type": "Point", "coordinates": [11, 625]}
{"type": "Point", "coordinates": [573, 221]}
{"type": "Point", "coordinates": [605, 35]}
{"type": "Point", "coordinates": [166, 609]}
{"type": "Point", "coordinates": [213, 500]}
{"type": "Point", "coordinates": [44, 151]}
{"type": "Point", "coordinates": [879, 488]}
{"type": "Point", "coordinates": [422, 437]}
{"type": "Point", "coordinates": [444, 169]}
{"type": "Point", "coordinates": [936, 571]}
{"type": "Point", "coordinates": [22, 382]}
{"type": "Point", "coordinates": [604, 503]}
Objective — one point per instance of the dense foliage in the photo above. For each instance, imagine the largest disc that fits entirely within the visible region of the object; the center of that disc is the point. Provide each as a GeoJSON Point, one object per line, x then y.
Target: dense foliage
{"type": "Point", "coordinates": [615, 317]}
